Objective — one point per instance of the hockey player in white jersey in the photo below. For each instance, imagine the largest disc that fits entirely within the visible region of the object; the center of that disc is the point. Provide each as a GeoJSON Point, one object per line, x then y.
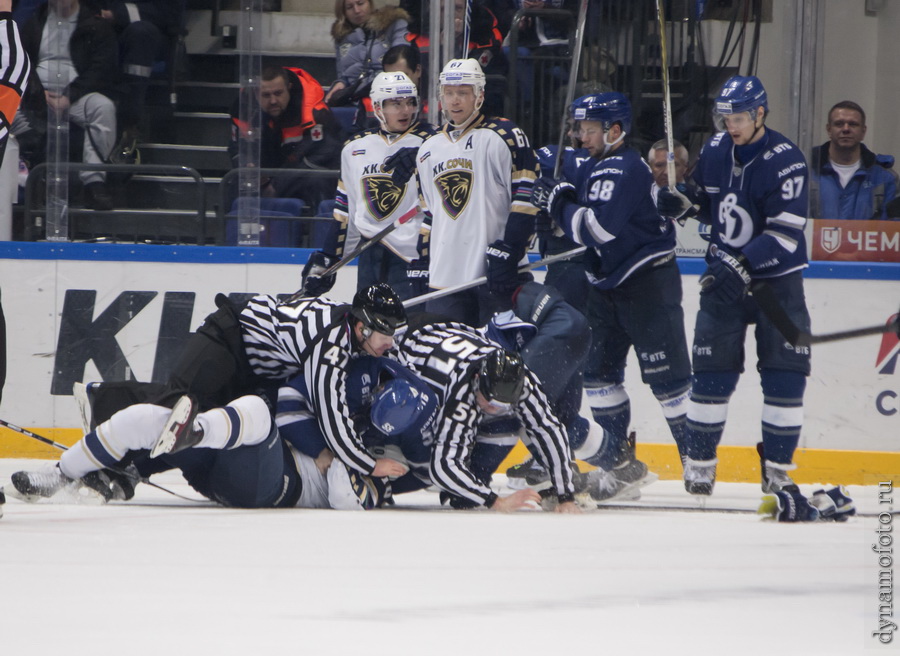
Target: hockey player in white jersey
{"type": "Point", "coordinates": [475, 177]}
{"type": "Point", "coordinates": [368, 199]}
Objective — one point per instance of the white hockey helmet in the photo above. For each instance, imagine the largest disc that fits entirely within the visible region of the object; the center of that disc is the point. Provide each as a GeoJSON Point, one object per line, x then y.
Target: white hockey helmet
{"type": "Point", "coordinates": [391, 86]}
{"type": "Point", "coordinates": [463, 71]}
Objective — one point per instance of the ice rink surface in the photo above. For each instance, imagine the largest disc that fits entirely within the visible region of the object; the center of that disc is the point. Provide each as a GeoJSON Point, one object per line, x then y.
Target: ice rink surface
{"type": "Point", "coordinates": [158, 575]}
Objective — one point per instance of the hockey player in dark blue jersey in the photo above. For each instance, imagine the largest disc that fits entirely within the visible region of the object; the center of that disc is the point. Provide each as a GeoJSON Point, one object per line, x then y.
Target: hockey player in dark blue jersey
{"type": "Point", "coordinates": [631, 265]}
{"type": "Point", "coordinates": [753, 191]}
{"type": "Point", "coordinates": [567, 275]}
{"type": "Point", "coordinates": [391, 407]}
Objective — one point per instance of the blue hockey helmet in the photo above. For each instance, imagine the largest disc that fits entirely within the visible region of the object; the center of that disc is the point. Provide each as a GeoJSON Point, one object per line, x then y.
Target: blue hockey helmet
{"type": "Point", "coordinates": [608, 108]}
{"type": "Point", "coordinates": [400, 406]}
{"type": "Point", "coordinates": [740, 94]}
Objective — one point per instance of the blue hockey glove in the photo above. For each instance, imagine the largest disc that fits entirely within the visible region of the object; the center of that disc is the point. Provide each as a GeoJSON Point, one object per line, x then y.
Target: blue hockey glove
{"type": "Point", "coordinates": [727, 277]}
{"type": "Point", "coordinates": [833, 505]}
{"type": "Point", "coordinates": [314, 284]}
{"type": "Point", "coordinates": [502, 268]}
{"type": "Point", "coordinates": [551, 195]}
{"type": "Point", "coordinates": [402, 165]}
{"type": "Point", "coordinates": [788, 506]}
{"type": "Point", "coordinates": [418, 276]}
{"type": "Point", "coordinates": [675, 206]}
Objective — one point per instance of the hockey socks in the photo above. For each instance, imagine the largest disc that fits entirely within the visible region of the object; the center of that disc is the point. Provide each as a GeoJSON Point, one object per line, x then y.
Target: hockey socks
{"type": "Point", "coordinates": [707, 410]}
{"type": "Point", "coordinates": [245, 421]}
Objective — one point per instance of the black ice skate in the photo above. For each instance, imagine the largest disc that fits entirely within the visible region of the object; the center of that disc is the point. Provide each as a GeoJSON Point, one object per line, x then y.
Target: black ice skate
{"type": "Point", "coordinates": [700, 476]}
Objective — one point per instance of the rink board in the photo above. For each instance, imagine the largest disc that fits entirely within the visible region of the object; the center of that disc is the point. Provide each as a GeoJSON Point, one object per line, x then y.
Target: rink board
{"type": "Point", "coordinates": [74, 310]}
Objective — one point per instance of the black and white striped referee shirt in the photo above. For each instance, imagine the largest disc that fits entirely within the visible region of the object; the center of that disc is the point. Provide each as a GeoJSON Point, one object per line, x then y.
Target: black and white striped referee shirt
{"type": "Point", "coordinates": [446, 356]}
{"type": "Point", "coordinates": [311, 336]}
{"type": "Point", "coordinates": [14, 70]}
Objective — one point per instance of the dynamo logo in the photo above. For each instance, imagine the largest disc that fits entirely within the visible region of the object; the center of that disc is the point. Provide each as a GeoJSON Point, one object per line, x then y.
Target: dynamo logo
{"type": "Point", "coordinates": [889, 352]}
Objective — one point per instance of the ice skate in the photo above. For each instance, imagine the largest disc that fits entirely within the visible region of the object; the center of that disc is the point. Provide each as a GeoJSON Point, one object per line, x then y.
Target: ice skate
{"type": "Point", "coordinates": [623, 483]}
{"type": "Point", "coordinates": [179, 432]}
{"type": "Point", "coordinates": [774, 474]}
{"type": "Point", "coordinates": [527, 474]}
{"type": "Point", "coordinates": [700, 476]}
{"type": "Point", "coordinates": [41, 484]}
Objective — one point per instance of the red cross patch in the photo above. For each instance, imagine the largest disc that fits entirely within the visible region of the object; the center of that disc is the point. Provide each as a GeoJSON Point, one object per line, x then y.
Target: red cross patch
{"type": "Point", "coordinates": [316, 133]}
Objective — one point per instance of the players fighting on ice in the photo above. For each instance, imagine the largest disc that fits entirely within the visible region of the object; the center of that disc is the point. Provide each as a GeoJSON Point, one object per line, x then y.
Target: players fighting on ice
{"type": "Point", "coordinates": [239, 350]}
{"type": "Point", "coordinates": [631, 264]}
{"type": "Point", "coordinates": [239, 457]}
{"type": "Point", "coordinates": [475, 178]}
{"type": "Point", "coordinates": [752, 184]}
{"type": "Point", "coordinates": [369, 198]}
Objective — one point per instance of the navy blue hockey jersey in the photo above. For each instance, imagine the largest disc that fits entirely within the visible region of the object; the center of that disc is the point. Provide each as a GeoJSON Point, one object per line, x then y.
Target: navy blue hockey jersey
{"type": "Point", "coordinates": [615, 216]}
{"type": "Point", "coordinates": [757, 208]}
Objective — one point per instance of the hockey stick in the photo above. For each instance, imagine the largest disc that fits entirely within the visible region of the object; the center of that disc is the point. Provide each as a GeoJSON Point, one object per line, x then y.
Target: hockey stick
{"type": "Point", "coordinates": [440, 293]}
{"type": "Point", "coordinates": [570, 91]}
{"type": "Point", "coordinates": [63, 447]}
{"type": "Point", "coordinates": [384, 232]}
{"type": "Point", "coordinates": [774, 311]}
{"type": "Point", "coordinates": [467, 30]}
{"type": "Point", "coordinates": [667, 100]}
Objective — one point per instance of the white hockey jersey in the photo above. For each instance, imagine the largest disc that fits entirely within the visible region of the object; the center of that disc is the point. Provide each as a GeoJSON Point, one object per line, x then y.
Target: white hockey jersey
{"type": "Point", "coordinates": [476, 188]}
{"type": "Point", "coordinates": [367, 200]}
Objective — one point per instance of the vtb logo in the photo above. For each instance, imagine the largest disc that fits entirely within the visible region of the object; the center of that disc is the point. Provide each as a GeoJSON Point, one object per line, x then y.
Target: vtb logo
{"type": "Point", "coordinates": [889, 352]}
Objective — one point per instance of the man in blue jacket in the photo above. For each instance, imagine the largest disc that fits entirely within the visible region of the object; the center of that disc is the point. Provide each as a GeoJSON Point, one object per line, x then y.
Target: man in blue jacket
{"type": "Point", "coordinates": [852, 182]}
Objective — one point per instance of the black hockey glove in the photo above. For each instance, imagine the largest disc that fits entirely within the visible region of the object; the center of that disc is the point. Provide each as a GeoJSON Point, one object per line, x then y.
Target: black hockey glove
{"type": "Point", "coordinates": [314, 284]}
{"type": "Point", "coordinates": [788, 506]}
{"type": "Point", "coordinates": [551, 196]}
{"type": "Point", "coordinates": [402, 165]}
{"type": "Point", "coordinates": [675, 205]}
{"type": "Point", "coordinates": [417, 274]}
{"type": "Point", "coordinates": [727, 277]}
{"type": "Point", "coordinates": [502, 268]}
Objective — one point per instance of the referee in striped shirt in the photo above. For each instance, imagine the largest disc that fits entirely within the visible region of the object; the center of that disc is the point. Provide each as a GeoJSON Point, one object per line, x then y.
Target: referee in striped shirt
{"type": "Point", "coordinates": [14, 69]}
{"type": "Point", "coordinates": [475, 380]}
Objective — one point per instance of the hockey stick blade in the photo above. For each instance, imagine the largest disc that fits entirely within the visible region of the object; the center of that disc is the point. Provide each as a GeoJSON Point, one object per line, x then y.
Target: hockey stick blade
{"type": "Point", "coordinates": [440, 293]}
{"type": "Point", "coordinates": [63, 447]}
{"type": "Point", "coordinates": [770, 305]}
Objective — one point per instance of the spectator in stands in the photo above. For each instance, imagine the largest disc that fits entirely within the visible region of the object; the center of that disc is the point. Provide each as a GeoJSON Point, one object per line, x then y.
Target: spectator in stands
{"type": "Point", "coordinates": [362, 34]}
{"type": "Point", "coordinates": [849, 180]}
{"type": "Point", "coordinates": [657, 157]}
{"type": "Point", "coordinates": [404, 58]}
{"type": "Point", "coordinates": [143, 29]}
{"type": "Point", "coordinates": [298, 132]}
{"type": "Point", "coordinates": [485, 45]}
{"type": "Point", "coordinates": [536, 31]}
{"type": "Point", "coordinates": [79, 80]}
{"type": "Point", "coordinates": [503, 11]}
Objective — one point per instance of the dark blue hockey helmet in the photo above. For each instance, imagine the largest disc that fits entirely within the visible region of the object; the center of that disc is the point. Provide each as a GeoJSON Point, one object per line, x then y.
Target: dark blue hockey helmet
{"type": "Point", "coordinates": [400, 406]}
{"type": "Point", "coordinates": [741, 94]}
{"type": "Point", "coordinates": [501, 377]}
{"type": "Point", "coordinates": [608, 108]}
{"type": "Point", "coordinates": [379, 308]}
